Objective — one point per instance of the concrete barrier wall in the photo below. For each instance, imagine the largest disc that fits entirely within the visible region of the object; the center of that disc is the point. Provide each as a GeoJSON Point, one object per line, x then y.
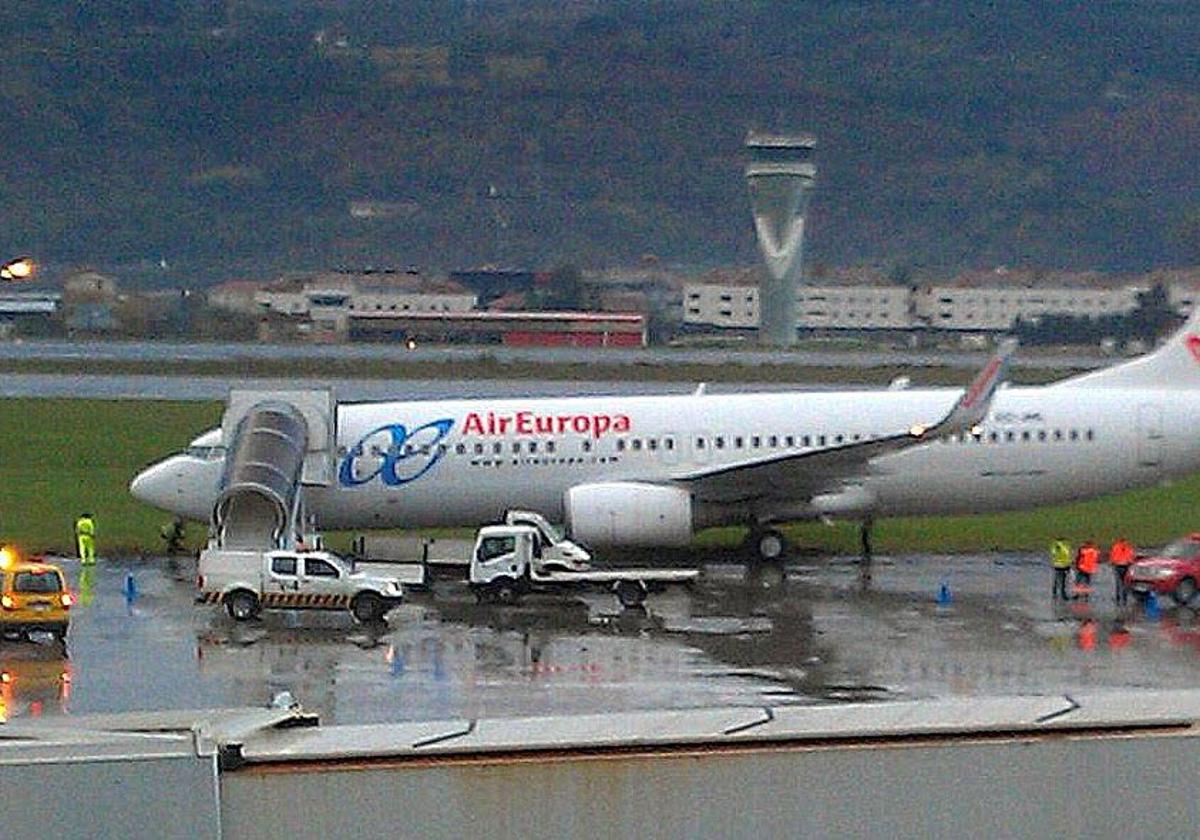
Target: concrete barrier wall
{"type": "Point", "coordinates": [1054, 785]}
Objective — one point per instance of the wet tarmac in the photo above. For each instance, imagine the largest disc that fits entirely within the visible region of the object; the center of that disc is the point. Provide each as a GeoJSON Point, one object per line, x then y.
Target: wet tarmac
{"type": "Point", "coordinates": [926, 626]}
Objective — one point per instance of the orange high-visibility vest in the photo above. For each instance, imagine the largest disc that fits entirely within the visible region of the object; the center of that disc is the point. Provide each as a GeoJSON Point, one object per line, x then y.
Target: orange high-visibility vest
{"type": "Point", "coordinates": [1121, 553]}
{"type": "Point", "coordinates": [1089, 559]}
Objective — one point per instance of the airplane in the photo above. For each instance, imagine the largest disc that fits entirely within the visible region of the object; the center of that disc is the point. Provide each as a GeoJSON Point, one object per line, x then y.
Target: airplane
{"type": "Point", "coordinates": [644, 471]}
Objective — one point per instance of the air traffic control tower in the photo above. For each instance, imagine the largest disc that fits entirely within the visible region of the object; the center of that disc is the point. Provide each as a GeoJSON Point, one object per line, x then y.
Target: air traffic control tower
{"type": "Point", "coordinates": [780, 174]}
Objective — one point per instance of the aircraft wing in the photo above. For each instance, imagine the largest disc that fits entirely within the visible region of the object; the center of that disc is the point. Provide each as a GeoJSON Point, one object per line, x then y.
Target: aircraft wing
{"type": "Point", "coordinates": [805, 474]}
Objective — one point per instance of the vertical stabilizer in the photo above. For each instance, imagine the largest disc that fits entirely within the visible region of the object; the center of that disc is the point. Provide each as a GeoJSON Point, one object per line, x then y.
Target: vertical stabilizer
{"type": "Point", "coordinates": [1174, 364]}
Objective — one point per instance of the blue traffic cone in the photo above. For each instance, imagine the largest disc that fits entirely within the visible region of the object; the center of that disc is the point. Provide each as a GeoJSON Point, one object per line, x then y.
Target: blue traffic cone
{"type": "Point", "coordinates": [130, 589]}
{"type": "Point", "coordinates": [1153, 612]}
{"type": "Point", "coordinates": [943, 596]}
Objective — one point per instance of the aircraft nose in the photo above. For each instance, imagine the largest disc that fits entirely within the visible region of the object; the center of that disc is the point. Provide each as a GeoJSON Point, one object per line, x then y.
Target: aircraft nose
{"type": "Point", "coordinates": [153, 485]}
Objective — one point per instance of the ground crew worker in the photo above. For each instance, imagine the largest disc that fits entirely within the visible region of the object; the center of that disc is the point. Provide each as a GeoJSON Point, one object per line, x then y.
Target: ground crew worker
{"type": "Point", "coordinates": [172, 534]}
{"type": "Point", "coordinates": [1060, 560]}
{"type": "Point", "coordinates": [1120, 556]}
{"type": "Point", "coordinates": [1087, 562]}
{"type": "Point", "coordinates": [85, 538]}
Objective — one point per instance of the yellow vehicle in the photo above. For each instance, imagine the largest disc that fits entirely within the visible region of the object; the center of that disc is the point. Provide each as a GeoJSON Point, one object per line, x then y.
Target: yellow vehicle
{"type": "Point", "coordinates": [33, 596]}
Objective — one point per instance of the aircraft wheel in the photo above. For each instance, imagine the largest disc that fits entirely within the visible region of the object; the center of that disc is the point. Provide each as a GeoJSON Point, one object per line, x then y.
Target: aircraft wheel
{"type": "Point", "coordinates": [241, 605]}
{"type": "Point", "coordinates": [630, 593]}
{"type": "Point", "coordinates": [1185, 591]}
{"type": "Point", "coordinates": [768, 546]}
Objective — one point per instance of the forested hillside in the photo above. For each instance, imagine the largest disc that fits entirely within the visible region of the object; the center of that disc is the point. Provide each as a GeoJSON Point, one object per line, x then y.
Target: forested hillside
{"type": "Point", "coordinates": [229, 135]}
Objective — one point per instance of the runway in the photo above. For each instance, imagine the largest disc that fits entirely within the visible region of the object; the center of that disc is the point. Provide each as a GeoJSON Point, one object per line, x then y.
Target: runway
{"type": "Point", "coordinates": [813, 637]}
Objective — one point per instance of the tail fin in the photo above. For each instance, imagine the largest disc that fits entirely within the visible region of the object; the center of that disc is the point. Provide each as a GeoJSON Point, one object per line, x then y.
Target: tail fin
{"type": "Point", "coordinates": [1174, 364]}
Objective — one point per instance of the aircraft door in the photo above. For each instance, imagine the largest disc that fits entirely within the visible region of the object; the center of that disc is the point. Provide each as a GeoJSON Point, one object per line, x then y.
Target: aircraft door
{"type": "Point", "coordinates": [1150, 436]}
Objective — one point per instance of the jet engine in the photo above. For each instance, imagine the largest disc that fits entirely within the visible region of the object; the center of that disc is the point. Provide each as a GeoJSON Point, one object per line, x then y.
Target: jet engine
{"type": "Point", "coordinates": [629, 514]}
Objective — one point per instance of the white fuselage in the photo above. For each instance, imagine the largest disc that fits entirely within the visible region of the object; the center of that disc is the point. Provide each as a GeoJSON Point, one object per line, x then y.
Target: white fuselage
{"type": "Point", "coordinates": [465, 462]}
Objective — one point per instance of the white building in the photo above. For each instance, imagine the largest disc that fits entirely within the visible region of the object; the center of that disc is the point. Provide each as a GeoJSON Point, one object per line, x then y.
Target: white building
{"type": "Point", "coordinates": [997, 307]}
{"type": "Point", "coordinates": [965, 308]}
{"type": "Point", "coordinates": [330, 303]}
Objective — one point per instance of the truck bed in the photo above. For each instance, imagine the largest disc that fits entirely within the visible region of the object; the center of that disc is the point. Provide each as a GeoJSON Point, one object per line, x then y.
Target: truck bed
{"type": "Point", "coordinates": [614, 575]}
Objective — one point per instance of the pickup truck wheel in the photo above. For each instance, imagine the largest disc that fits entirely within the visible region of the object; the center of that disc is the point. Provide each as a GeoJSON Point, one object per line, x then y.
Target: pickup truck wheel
{"type": "Point", "coordinates": [241, 605]}
{"type": "Point", "coordinates": [504, 591]}
{"type": "Point", "coordinates": [630, 593]}
{"type": "Point", "coordinates": [367, 607]}
{"type": "Point", "coordinates": [1185, 591]}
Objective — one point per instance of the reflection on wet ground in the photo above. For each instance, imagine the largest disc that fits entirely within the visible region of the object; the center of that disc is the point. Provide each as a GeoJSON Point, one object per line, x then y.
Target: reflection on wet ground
{"type": "Point", "coordinates": [927, 626]}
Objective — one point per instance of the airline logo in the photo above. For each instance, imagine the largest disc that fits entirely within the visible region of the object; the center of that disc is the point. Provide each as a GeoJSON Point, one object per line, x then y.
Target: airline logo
{"type": "Point", "coordinates": [394, 454]}
{"type": "Point", "coordinates": [1193, 346]}
{"type": "Point", "coordinates": [532, 423]}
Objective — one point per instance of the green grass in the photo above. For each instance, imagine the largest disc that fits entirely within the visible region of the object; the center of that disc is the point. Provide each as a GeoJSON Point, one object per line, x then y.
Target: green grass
{"type": "Point", "coordinates": [59, 458]}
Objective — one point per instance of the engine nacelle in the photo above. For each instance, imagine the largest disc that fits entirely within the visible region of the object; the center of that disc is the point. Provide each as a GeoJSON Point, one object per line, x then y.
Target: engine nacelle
{"type": "Point", "coordinates": [629, 514]}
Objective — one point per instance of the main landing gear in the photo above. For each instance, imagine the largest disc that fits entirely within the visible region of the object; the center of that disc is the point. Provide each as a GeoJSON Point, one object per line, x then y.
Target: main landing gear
{"type": "Point", "coordinates": [766, 545]}
{"type": "Point", "coordinates": [865, 560]}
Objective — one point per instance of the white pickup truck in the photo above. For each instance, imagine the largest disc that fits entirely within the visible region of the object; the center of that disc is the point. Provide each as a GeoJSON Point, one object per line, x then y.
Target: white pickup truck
{"type": "Point", "coordinates": [248, 581]}
{"type": "Point", "coordinates": [509, 561]}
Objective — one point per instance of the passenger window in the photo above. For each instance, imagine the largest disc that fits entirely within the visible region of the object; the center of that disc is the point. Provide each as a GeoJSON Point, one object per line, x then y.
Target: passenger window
{"type": "Point", "coordinates": [461, 449]}
{"type": "Point", "coordinates": [497, 447]}
{"type": "Point", "coordinates": [1025, 435]}
{"type": "Point", "coordinates": [620, 444]}
{"type": "Point", "coordinates": [532, 446]}
{"type": "Point", "coordinates": [755, 442]}
{"type": "Point", "coordinates": [720, 442]}
{"type": "Point", "coordinates": [587, 445]}
{"type": "Point", "coordinates": [1074, 434]}
{"type": "Point", "coordinates": [637, 444]}
{"type": "Point", "coordinates": [1042, 435]}
{"type": "Point", "coordinates": [652, 444]}
{"type": "Point", "coordinates": [773, 441]}
{"type": "Point", "coordinates": [791, 441]}
{"type": "Point", "coordinates": [699, 443]}
{"type": "Point", "coordinates": [318, 568]}
{"type": "Point", "coordinates": [737, 442]}
{"type": "Point", "coordinates": [994, 437]}
{"type": "Point", "coordinates": [1058, 434]}
{"type": "Point", "coordinates": [479, 449]}
{"type": "Point", "coordinates": [1091, 435]}
{"type": "Point", "coordinates": [549, 446]}
{"type": "Point", "coordinates": [283, 565]}
{"type": "Point", "coordinates": [807, 440]}
{"type": "Point", "coordinates": [821, 440]}
{"type": "Point", "coordinates": [516, 448]}
{"type": "Point", "coordinates": [669, 443]}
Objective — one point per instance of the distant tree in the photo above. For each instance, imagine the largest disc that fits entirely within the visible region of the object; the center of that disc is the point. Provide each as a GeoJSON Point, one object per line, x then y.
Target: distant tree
{"type": "Point", "coordinates": [1153, 314]}
{"type": "Point", "coordinates": [564, 289]}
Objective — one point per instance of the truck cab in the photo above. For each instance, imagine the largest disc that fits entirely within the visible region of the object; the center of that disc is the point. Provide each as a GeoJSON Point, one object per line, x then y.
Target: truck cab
{"type": "Point", "coordinates": [503, 553]}
{"type": "Point", "coordinates": [556, 550]}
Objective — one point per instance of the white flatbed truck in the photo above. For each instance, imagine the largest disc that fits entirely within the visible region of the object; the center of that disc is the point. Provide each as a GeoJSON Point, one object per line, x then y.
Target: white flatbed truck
{"type": "Point", "coordinates": [508, 562]}
{"type": "Point", "coordinates": [455, 554]}
{"type": "Point", "coordinates": [248, 581]}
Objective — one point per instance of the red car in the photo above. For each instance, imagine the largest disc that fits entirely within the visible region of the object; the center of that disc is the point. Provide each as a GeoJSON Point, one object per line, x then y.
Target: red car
{"type": "Point", "coordinates": [1174, 571]}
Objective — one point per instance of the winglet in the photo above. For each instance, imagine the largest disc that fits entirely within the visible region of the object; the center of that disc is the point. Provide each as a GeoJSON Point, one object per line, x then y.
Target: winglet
{"type": "Point", "coordinates": [972, 407]}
